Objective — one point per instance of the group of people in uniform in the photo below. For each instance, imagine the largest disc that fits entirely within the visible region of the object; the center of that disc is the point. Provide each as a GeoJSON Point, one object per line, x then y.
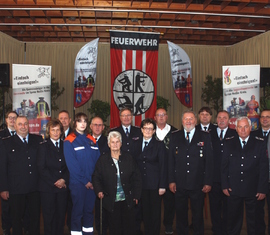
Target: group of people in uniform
{"type": "Point", "coordinates": [120, 181]}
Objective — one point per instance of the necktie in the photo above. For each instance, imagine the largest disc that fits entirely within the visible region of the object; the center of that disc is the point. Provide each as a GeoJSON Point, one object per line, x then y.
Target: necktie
{"type": "Point", "coordinates": [127, 133]}
{"type": "Point", "coordinates": [221, 135]}
{"type": "Point", "coordinates": [13, 133]}
{"type": "Point", "coordinates": [205, 128]}
{"type": "Point", "coordinates": [187, 137]}
{"type": "Point", "coordinates": [25, 141]}
{"type": "Point", "coordinates": [56, 144]}
{"type": "Point", "coordinates": [145, 144]}
{"type": "Point", "coordinates": [244, 143]}
{"type": "Point", "coordinates": [264, 133]}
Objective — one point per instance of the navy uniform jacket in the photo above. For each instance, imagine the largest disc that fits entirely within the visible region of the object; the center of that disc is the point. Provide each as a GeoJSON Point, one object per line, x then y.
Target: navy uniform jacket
{"type": "Point", "coordinates": [191, 165]}
{"type": "Point", "coordinates": [152, 163]}
{"type": "Point", "coordinates": [51, 166]}
{"type": "Point", "coordinates": [218, 148]}
{"type": "Point", "coordinates": [103, 145]}
{"type": "Point", "coordinates": [4, 133]}
{"type": "Point", "coordinates": [245, 171]}
{"type": "Point", "coordinates": [167, 138]}
{"type": "Point", "coordinates": [258, 133]}
{"type": "Point", "coordinates": [18, 164]}
{"type": "Point", "coordinates": [211, 127]}
{"type": "Point", "coordinates": [127, 142]}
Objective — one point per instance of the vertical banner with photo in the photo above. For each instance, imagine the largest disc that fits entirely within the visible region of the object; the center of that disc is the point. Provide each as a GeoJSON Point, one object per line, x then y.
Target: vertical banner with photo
{"type": "Point", "coordinates": [181, 74]}
{"type": "Point", "coordinates": [32, 95]}
{"type": "Point", "coordinates": [241, 92]}
{"type": "Point", "coordinates": [85, 73]}
{"type": "Point", "coordinates": [134, 64]}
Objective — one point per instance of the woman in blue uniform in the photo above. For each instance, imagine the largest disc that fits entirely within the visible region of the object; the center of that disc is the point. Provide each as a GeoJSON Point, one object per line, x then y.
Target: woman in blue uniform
{"type": "Point", "coordinates": [53, 179]}
{"type": "Point", "coordinates": [81, 154]}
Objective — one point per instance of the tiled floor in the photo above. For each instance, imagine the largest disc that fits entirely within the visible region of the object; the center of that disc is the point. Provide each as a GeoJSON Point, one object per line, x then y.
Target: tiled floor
{"type": "Point", "coordinates": [207, 222]}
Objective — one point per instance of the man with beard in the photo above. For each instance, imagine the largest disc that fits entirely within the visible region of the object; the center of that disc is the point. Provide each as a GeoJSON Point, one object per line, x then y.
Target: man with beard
{"type": "Point", "coordinates": [190, 172]}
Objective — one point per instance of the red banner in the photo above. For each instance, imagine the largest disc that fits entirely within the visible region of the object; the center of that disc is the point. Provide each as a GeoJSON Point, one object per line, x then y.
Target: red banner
{"type": "Point", "coordinates": [134, 61]}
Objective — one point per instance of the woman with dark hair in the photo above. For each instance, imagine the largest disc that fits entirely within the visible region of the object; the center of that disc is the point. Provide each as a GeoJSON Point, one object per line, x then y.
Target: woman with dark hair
{"type": "Point", "coordinates": [81, 154]}
{"type": "Point", "coordinates": [53, 179]}
{"type": "Point", "coordinates": [117, 181]}
{"type": "Point", "coordinates": [150, 156]}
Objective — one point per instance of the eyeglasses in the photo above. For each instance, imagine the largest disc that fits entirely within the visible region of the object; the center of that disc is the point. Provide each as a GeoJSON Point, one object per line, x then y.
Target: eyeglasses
{"type": "Point", "coordinates": [148, 128]}
{"type": "Point", "coordinates": [161, 115]}
{"type": "Point", "coordinates": [97, 125]}
{"type": "Point", "coordinates": [12, 118]}
{"type": "Point", "coordinates": [267, 117]}
{"type": "Point", "coordinates": [126, 115]}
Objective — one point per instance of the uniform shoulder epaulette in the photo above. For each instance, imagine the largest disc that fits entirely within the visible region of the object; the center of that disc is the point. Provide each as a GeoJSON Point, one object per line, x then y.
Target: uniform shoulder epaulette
{"type": "Point", "coordinates": [175, 131]}
{"type": "Point", "coordinates": [71, 137]}
{"type": "Point", "coordinates": [258, 138]}
{"type": "Point", "coordinates": [91, 138]}
{"type": "Point", "coordinates": [43, 142]}
{"type": "Point", "coordinates": [7, 137]}
{"type": "Point", "coordinates": [229, 138]}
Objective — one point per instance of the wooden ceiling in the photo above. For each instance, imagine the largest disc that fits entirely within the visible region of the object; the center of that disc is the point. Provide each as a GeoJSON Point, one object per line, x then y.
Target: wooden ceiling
{"type": "Point", "coordinates": [203, 22]}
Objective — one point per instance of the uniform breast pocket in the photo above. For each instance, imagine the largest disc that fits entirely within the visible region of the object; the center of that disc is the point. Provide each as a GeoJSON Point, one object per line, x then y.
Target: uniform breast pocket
{"type": "Point", "coordinates": [14, 156]}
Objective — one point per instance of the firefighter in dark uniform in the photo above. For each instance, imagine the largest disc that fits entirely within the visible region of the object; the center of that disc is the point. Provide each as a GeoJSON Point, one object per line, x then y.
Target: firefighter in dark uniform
{"type": "Point", "coordinates": [190, 172]}
{"type": "Point", "coordinates": [244, 176]}
{"type": "Point", "coordinates": [217, 199]}
{"type": "Point", "coordinates": [19, 175]}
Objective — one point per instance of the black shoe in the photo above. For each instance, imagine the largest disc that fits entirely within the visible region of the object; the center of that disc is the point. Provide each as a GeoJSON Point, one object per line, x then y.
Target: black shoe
{"type": "Point", "coordinates": [26, 233]}
{"type": "Point", "coordinates": [138, 232]}
{"type": "Point", "coordinates": [6, 232]}
{"type": "Point", "coordinates": [168, 230]}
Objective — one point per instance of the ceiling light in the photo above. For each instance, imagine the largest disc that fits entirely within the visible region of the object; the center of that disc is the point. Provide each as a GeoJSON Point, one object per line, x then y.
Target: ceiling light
{"type": "Point", "coordinates": [134, 20]}
{"type": "Point", "coordinates": [251, 25]}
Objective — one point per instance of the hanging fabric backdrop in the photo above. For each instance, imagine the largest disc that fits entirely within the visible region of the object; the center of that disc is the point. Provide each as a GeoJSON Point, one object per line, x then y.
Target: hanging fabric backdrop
{"type": "Point", "coordinates": [85, 73]}
{"type": "Point", "coordinates": [134, 60]}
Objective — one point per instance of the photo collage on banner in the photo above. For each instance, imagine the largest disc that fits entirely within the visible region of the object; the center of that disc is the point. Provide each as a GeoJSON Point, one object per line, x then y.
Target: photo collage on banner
{"type": "Point", "coordinates": [85, 73]}
{"type": "Point", "coordinates": [241, 93]}
{"type": "Point", "coordinates": [134, 64]}
{"type": "Point", "coordinates": [32, 95]}
{"type": "Point", "coordinates": [181, 74]}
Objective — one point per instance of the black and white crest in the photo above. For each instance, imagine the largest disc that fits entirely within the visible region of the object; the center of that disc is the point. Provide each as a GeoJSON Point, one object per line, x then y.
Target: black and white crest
{"type": "Point", "coordinates": [133, 89]}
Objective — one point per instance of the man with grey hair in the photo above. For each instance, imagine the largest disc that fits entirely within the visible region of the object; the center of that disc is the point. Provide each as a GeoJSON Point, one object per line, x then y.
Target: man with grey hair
{"type": "Point", "coordinates": [190, 172]}
{"type": "Point", "coordinates": [244, 176]}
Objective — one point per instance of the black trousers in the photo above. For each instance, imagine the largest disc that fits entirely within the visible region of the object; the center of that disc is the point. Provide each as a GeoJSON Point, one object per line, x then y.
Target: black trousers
{"type": "Point", "coordinates": [5, 215]}
{"type": "Point", "coordinates": [236, 211]}
{"type": "Point", "coordinates": [218, 209]}
{"type": "Point", "coordinates": [181, 206]}
{"type": "Point", "coordinates": [260, 224]}
{"type": "Point", "coordinates": [53, 211]}
{"type": "Point", "coordinates": [151, 210]}
{"type": "Point", "coordinates": [18, 204]}
{"type": "Point", "coordinates": [169, 208]}
{"type": "Point", "coordinates": [121, 220]}
{"type": "Point", "coordinates": [268, 205]}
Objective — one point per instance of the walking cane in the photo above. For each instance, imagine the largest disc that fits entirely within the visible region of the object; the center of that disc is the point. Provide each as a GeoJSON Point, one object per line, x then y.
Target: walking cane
{"type": "Point", "coordinates": [100, 216]}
